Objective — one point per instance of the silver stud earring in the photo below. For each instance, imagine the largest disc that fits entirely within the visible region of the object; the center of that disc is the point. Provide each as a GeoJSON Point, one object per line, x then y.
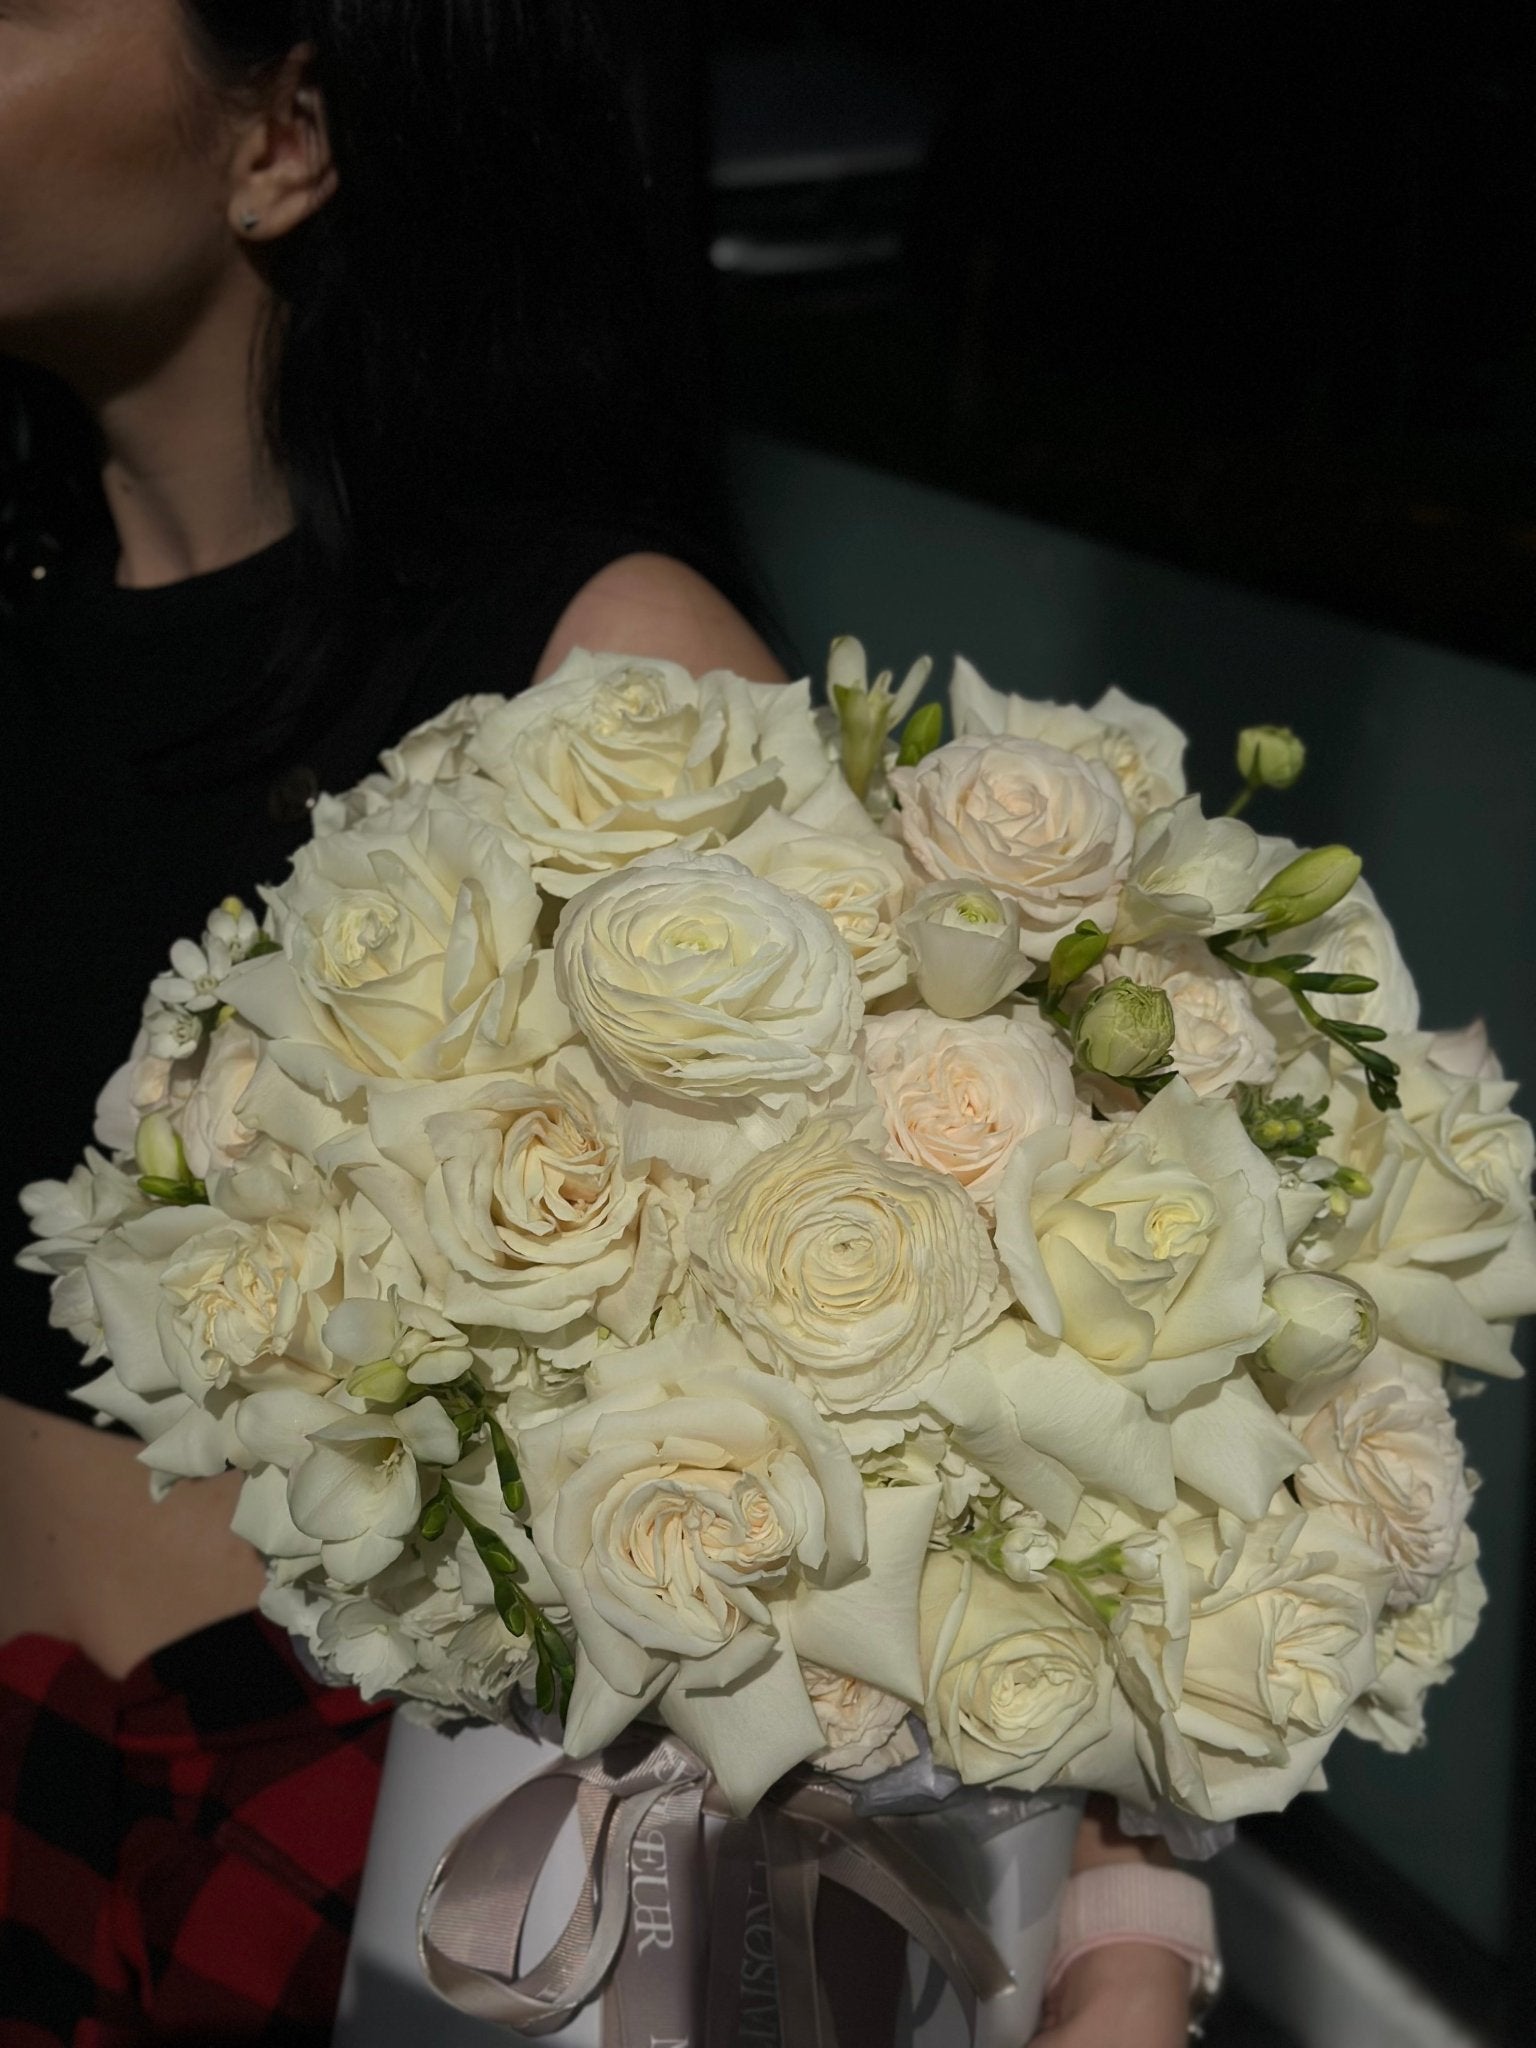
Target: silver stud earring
{"type": "Point", "coordinates": [249, 221]}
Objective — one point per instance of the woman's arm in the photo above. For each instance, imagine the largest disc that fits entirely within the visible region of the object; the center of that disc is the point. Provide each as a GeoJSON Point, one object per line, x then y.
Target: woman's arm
{"type": "Point", "coordinates": [88, 1556]}
{"type": "Point", "coordinates": [1128, 1994]}
{"type": "Point", "coordinates": [655, 605]}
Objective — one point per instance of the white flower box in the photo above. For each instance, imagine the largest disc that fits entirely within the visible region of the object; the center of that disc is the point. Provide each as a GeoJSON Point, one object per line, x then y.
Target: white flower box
{"type": "Point", "coordinates": [435, 1785]}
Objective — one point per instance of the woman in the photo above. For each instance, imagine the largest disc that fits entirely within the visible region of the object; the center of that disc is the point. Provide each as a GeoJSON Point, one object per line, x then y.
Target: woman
{"type": "Point", "coordinates": [338, 388]}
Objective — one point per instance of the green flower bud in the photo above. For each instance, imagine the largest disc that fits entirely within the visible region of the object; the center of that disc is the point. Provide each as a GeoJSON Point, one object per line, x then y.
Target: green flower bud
{"type": "Point", "coordinates": [382, 1381]}
{"type": "Point", "coordinates": [1124, 1030]}
{"type": "Point", "coordinates": [1072, 957]}
{"type": "Point", "coordinates": [1329, 1326]}
{"type": "Point", "coordinates": [1311, 884]}
{"type": "Point", "coordinates": [158, 1151]}
{"type": "Point", "coordinates": [923, 731]}
{"type": "Point", "coordinates": [1269, 756]}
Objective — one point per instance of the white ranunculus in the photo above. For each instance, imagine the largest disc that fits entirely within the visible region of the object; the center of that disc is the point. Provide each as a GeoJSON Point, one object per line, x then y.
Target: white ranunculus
{"type": "Point", "coordinates": [866, 1729]}
{"type": "Point", "coordinates": [855, 1274]}
{"type": "Point", "coordinates": [964, 945]}
{"type": "Point", "coordinates": [1416, 1649]}
{"type": "Point", "coordinates": [706, 1527]}
{"type": "Point", "coordinates": [957, 1097]}
{"type": "Point", "coordinates": [1385, 1457]}
{"type": "Point", "coordinates": [1281, 1643]}
{"type": "Point", "coordinates": [1190, 875]}
{"type": "Point", "coordinates": [1218, 1038]}
{"type": "Point", "coordinates": [1040, 825]}
{"type": "Point", "coordinates": [861, 879]}
{"type": "Point", "coordinates": [408, 950]}
{"type": "Point", "coordinates": [1018, 1686]}
{"type": "Point", "coordinates": [707, 992]}
{"type": "Point", "coordinates": [1143, 748]}
{"type": "Point", "coordinates": [610, 758]}
{"type": "Point", "coordinates": [1146, 1245]}
{"type": "Point", "coordinates": [1445, 1241]}
{"type": "Point", "coordinates": [212, 1133]}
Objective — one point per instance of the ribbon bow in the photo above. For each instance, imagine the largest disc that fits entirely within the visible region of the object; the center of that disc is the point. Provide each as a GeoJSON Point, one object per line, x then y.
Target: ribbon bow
{"type": "Point", "coordinates": [635, 1931]}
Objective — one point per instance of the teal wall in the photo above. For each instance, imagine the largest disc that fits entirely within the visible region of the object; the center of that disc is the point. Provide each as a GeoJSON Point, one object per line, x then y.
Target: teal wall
{"type": "Point", "coordinates": [1421, 759]}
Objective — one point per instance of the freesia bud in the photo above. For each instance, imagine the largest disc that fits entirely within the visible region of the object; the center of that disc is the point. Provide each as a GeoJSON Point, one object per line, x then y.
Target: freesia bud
{"type": "Point", "coordinates": [157, 1149]}
{"type": "Point", "coordinates": [1311, 884]}
{"type": "Point", "coordinates": [1026, 1549]}
{"type": "Point", "coordinates": [1329, 1326]}
{"type": "Point", "coordinates": [963, 939]}
{"type": "Point", "coordinates": [1269, 756]}
{"type": "Point", "coordinates": [382, 1381]}
{"type": "Point", "coordinates": [1124, 1030]}
{"type": "Point", "coordinates": [1072, 956]}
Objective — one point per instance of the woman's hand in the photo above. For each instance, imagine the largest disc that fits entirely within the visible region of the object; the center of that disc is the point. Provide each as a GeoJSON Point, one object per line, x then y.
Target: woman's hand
{"type": "Point", "coordinates": [1127, 1994]}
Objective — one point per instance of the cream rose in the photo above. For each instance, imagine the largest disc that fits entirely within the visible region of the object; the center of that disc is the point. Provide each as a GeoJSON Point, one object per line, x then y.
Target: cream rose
{"type": "Point", "coordinates": [866, 1729]}
{"type": "Point", "coordinates": [1444, 1241]}
{"type": "Point", "coordinates": [1386, 1459]}
{"type": "Point", "coordinates": [857, 876]}
{"type": "Point", "coordinates": [434, 753]}
{"type": "Point", "coordinates": [1018, 1686]}
{"type": "Point", "coordinates": [964, 945]}
{"type": "Point", "coordinates": [855, 1274]}
{"type": "Point", "coordinates": [1036, 823]}
{"type": "Point", "coordinates": [408, 950]}
{"type": "Point", "coordinates": [1281, 1643]}
{"type": "Point", "coordinates": [1218, 1039]}
{"type": "Point", "coordinates": [1143, 749]}
{"type": "Point", "coordinates": [1146, 1245]}
{"type": "Point", "coordinates": [1416, 1649]}
{"type": "Point", "coordinates": [610, 758]}
{"type": "Point", "coordinates": [957, 1097]}
{"type": "Point", "coordinates": [212, 1134]}
{"type": "Point", "coordinates": [702, 1524]}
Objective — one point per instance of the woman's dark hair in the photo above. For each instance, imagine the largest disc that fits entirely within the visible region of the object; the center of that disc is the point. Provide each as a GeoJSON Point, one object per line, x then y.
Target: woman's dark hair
{"type": "Point", "coordinates": [472, 338]}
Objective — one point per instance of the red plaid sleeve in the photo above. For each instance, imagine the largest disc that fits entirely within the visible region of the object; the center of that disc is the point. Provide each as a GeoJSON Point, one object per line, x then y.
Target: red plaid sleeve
{"type": "Point", "coordinates": [180, 1852]}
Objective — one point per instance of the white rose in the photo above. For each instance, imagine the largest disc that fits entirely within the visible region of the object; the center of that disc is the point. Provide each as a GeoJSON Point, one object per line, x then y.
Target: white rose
{"type": "Point", "coordinates": [1143, 748]}
{"type": "Point", "coordinates": [1352, 938]}
{"type": "Point", "coordinates": [1328, 1327]}
{"type": "Point", "coordinates": [858, 877]}
{"type": "Point", "coordinates": [68, 1219]}
{"type": "Point", "coordinates": [434, 753]}
{"type": "Point", "coordinates": [145, 1085]}
{"type": "Point", "coordinates": [1445, 1240]}
{"type": "Point", "coordinates": [957, 1097]}
{"type": "Point", "coordinates": [1281, 1644]}
{"type": "Point", "coordinates": [963, 941]}
{"type": "Point", "coordinates": [1415, 1650]}
{"type": "Point", "coordinates": [705, 989]}
{"type": "Point", "coordinates": [610, 758]}
{"type": "Point", "coordinates": [212, 1134]}
{"type": "Point", "coordinates": [519, 1201]}
{"type": "Point", "coordinates": [408, 950]}
{"type": "Point", "coordinates": [1146, 1245]}
{"type": "Point", "coordinates": [857, 1275]}
{"type": "Point", "coordinates": [1218, 1040]}
{"type": "Point", "coordinates": [1386, 1459]}
{"type": "Point", "coordinates": [866, 1729]}
{"type": "Point", "coordinates": [1036, 823]}
{"type": "Point", "coordinates": [1191, 875]}
{"type": "Point", "coordinates": [1018, 1686]}
{"type": "Point", "coordinates": [705, 1526]}
{"type": "Point", "coordinates": [1466, 1052]}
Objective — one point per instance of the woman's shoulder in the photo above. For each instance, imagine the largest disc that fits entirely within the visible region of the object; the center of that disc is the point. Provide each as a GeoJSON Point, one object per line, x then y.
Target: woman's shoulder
{"type": "Point", "coordinates": [534, 593]}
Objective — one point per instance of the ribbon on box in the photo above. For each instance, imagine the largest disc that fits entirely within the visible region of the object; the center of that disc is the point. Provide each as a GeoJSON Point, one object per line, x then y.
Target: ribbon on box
{"type": "Point", "coordinates": [636, 1933]}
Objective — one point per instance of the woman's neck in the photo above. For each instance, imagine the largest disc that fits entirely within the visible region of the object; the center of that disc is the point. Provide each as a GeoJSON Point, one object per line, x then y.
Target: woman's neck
{"type": "Point", "coordinates": [187, 477]}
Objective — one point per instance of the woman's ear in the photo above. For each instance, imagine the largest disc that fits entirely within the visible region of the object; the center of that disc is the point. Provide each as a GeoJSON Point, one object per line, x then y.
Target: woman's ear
{"type": "Point", "coordinates": [283, 170]}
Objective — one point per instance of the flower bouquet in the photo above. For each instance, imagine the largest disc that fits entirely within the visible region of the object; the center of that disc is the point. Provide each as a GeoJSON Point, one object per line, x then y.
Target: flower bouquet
{"type": "Point", "coordinates": [782, 1245]}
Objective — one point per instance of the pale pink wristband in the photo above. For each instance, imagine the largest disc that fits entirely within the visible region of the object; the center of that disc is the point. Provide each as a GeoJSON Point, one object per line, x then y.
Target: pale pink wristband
{"type": "Point", "coordinates": [1134, 1902]}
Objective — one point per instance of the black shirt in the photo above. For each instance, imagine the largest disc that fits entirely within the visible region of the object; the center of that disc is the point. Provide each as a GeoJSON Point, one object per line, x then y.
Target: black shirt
{"type": "Point", "coordinates": [107, 861]}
